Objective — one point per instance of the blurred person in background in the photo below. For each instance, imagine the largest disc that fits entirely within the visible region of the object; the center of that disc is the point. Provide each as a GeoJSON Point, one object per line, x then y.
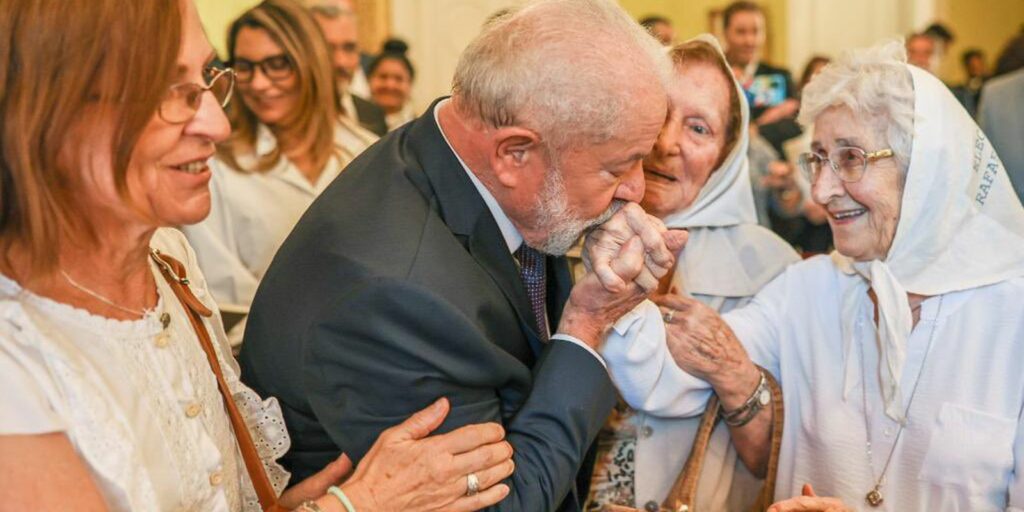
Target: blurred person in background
{"type": "Point", "coordinates": [338, 22]}
{"type": "Point", "coordinates": [391, 75]}
{"type": "Point", "coordinates": [976, 72]}
{"type": "Point", "coordinates": [660, 27]}
{"type": "Point", "coordinates": [1001, 114]}
{"type": "Point", "coordinates": [943, 37]}
{"type": "Point", "coordinates": [1011, 58]}
{"type": "Point", "coordinates": [812, 234]}
{"type": "Point", "coordinates": [289, 142]}
{"type": "Point", "coordinates": [770, 90]}
{"type": "Point", "coordinates": [922, 51]}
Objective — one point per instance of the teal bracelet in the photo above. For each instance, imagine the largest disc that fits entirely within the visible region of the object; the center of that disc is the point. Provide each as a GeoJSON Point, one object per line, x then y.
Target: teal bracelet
{"type": "Point", "coordinates": [340, 494]}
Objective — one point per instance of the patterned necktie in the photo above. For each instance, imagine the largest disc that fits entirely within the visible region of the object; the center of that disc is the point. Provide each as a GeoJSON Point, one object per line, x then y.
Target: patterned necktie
{"type": "Point", "coordinates": [533, 271]}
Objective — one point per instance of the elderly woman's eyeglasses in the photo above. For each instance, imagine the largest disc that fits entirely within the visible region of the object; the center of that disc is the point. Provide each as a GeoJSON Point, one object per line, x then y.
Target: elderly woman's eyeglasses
{"type": "Point", "coordinates": [183, 100]}
{"type": "Point", "coordinates": [276, 68]}
{"type": "Point", "coordinates": [849, 163]}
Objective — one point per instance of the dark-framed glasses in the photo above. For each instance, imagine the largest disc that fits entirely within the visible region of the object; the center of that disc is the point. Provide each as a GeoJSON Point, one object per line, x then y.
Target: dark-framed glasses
{"type": "Point", "coordinates": [848, 163]}
{"type": "Point", "coordinates": [275, 67]}
{"type": "Point", "coordinates": [183, 100]}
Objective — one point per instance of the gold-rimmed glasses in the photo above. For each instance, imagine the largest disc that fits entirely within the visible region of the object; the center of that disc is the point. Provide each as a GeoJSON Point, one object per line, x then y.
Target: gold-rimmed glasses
{"type": "Point", "coordinates": [847, 162]}
{"type": "Point", "coordinates": [182, 101]}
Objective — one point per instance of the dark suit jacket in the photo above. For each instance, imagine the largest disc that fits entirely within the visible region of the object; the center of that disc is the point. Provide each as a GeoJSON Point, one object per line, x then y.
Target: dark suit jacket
{"type": "Point", "coordinates": [396, 288]}
{"type": "Point", "coordinates": [370, 116]}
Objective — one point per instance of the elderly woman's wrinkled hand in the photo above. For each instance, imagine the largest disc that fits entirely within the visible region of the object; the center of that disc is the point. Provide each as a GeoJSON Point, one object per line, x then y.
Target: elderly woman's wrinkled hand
{"type": "Point", "coordinates": [704, 346]}
{"type": "Point", "coordinates": [660, 246]}
{"type": "Point", "coordinates": [407, 471]}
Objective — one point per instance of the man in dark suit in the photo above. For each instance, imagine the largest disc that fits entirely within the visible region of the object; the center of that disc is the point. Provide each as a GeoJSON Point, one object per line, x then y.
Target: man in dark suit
{"type": "Point", "coordinates": [433, 266]}
{"type": "Point", "coordinates": [339, 27]}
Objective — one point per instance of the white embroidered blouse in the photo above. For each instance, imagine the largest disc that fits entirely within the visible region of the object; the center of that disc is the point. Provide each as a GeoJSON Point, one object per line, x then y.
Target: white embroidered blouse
{"type": "Point", "coordinates": [138, 401]}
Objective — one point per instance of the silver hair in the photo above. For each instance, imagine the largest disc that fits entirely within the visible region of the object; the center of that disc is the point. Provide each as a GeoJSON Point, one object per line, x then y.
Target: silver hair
{"type": "Point", "coordinates": [564, 68]}
{"type": "Point", "coordinates": [876, 85]}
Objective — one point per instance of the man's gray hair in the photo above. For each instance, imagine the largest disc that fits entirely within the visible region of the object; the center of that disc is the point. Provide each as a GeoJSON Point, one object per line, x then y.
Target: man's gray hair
{"type": "Point", "coordinates": [564, 68]}
{"type": "Point", "coordinates": [876, 85]}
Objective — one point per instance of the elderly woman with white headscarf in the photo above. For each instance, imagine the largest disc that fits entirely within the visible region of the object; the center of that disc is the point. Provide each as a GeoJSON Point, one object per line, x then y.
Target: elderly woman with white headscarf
{"type": "Point", "coordinates": [901, 357]}
{"type": "Point", "coordinates": [697, 178]}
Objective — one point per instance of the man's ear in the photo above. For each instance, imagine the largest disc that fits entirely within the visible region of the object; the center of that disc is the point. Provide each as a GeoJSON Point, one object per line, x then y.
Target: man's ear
{"type": "Point", "coordinates": [517, 151]}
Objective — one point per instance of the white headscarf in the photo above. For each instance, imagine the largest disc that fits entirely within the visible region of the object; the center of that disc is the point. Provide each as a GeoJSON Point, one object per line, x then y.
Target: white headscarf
{"type": "Point", "coordinates": [961, 226]}
{"type": "Point", "coordinates": [733, 262]}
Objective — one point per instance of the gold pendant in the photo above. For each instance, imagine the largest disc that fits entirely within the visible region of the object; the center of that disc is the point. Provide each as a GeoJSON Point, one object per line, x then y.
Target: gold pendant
{"type": "Point", "coordinates": [874, 498]}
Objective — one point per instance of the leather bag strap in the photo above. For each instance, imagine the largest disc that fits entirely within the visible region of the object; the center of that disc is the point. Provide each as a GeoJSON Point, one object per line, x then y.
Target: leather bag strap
{"type": "Point", "coordinates": [683, 496]}
{"type": "Point", "coordinates": [174, 272]}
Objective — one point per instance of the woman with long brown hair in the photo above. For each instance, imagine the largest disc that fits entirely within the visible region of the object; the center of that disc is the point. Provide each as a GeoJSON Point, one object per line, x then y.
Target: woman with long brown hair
{"type": "Point", "coordinates": [289, 142]}
{"type": "Point", "coordinates": [120, 392]}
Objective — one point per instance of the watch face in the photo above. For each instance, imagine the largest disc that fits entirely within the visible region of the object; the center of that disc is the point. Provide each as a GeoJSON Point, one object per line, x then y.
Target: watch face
{"type": "Point", "coordinates": [764, 397]}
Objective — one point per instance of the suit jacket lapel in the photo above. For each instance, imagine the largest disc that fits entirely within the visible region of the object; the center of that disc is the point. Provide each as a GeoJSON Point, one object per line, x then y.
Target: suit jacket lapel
{"type": "Point", "coordinates": [464, 212]}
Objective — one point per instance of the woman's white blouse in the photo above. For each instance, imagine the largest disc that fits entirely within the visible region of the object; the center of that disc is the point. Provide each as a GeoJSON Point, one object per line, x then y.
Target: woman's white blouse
{"type": "Point", "coordinates": [139, 404]}
{"type": "Point", "coordinates": [963, 446]}
{"type": "Point", "coordinates": [252, 213]}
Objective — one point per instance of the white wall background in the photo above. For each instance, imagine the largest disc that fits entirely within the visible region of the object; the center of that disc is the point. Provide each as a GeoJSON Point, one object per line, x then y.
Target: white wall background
{"type": "Point", "coordinates": [437, 32]}
{"type": "Point", "coordinates": [837, 25]}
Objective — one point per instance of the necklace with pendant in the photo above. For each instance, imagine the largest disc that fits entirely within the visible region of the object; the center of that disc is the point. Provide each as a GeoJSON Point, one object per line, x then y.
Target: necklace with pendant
{"type": "Point", "coordinates": [165, 319]}
{"type": "Point", "coordinates": [874, 497]}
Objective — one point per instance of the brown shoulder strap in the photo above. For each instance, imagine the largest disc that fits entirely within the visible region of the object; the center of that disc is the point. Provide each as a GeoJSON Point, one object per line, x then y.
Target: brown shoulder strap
{"type": "Point", "coordinates": [174, 272]}
{"type": "Point", "coordinates": [778, 422]}
{"type": "Point", "coordinates": [683, 496]}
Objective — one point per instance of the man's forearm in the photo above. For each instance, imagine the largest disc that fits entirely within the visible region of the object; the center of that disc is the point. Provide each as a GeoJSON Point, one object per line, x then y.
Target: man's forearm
{"type": "Point", "coordinates": [571, 398]}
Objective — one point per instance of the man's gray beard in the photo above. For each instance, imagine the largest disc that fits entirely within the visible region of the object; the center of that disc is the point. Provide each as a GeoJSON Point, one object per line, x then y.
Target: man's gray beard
{"type": "Point", "coordinates": [556, 218]}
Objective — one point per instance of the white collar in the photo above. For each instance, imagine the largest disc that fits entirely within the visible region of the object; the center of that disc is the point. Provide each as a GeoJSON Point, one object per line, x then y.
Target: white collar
{"type": "Point", "coordinates": [266, 142]}
{"type": "Point", "coordinates": [348, 105]}
{"type": "Point", "coordinates": [508, 230]}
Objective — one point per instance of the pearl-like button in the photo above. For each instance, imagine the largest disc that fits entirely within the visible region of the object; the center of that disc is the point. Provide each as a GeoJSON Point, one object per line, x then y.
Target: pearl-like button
{"type": "Point", "coordinates": [646, 432]}
{"type": "Point", "coordinates": [162, 340]}
{"type": "Point", "coordinates": [651, 506]}
{"type": "Point", "coordinates": [216, 478]}
{"type": "Point", "coordinates": [193, 410]}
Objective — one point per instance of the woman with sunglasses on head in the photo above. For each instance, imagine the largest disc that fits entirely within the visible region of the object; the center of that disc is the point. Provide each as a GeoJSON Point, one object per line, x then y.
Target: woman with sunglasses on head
{"type": "Point", "coordinates": [901, 355]}
{"type": "Point", "coordinates": [119, 389]}
{"type": "Point", "coordinates": [288, 142]}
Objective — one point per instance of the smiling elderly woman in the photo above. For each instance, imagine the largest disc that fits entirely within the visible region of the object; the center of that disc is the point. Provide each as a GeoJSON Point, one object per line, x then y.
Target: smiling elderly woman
{"type": "Point", "coordinates": [697, 178]}
{"type": "Point", "coordinates": [901, 356]}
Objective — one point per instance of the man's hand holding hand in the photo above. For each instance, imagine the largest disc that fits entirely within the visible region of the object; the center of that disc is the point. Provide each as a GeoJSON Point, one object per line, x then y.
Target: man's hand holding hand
{"type": "Point", "coordinates": [659, 245]}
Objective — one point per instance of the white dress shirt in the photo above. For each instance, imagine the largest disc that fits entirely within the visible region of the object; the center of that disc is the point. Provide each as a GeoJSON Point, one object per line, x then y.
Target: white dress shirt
{"type": "Point", "coordinates": [963, 447]}
{"type": "Point", "coordinates": [513, 239]}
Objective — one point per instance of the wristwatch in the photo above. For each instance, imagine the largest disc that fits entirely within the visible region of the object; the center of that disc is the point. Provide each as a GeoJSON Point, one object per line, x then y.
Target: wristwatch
{"type": "Point", "coordinates": [759, 399]}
